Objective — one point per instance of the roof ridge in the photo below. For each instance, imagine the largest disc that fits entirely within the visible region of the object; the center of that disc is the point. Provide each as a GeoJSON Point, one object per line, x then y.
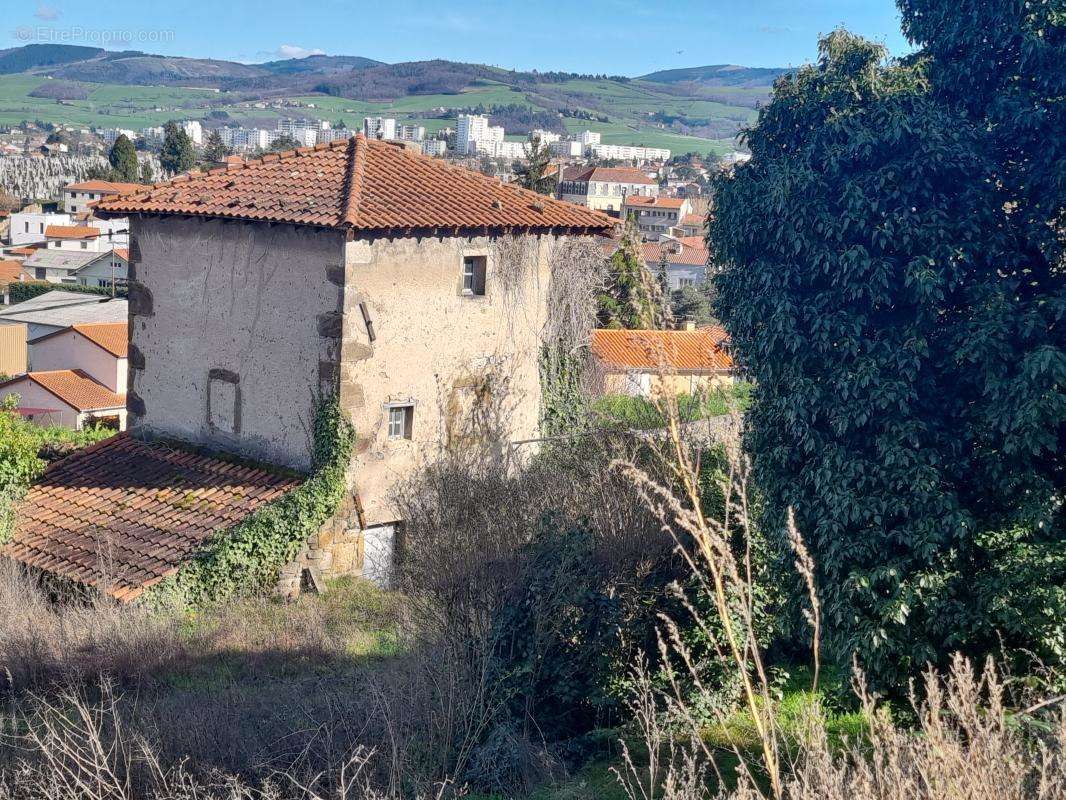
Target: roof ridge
{"type": "Point", "coordinates": [353, 189]}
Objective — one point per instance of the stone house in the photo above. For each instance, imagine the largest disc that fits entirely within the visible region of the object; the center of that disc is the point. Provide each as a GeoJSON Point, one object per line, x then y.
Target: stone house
{"type": "Point", "coordinates": [360, 268]}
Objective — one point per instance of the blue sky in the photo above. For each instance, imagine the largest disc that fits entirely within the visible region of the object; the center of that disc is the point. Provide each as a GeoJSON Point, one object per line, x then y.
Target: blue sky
{"type": "Point", "coordinates": [629, 37]}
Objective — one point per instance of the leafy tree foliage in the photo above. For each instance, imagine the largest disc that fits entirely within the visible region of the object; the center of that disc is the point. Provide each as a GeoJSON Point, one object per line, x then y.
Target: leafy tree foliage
{"type": "Point", "coordinates": [694, 303]}
{"type": "Point", "coordinates": [533, 173]}
{"type": "Point", "coordinates": [123, 160]}
{"type": "Point", "coordinates": [892, 283]}
{"type": "Point", "coordinates": [283, 143]}
{"type": "Point", "coordinates": [631, 298]}
{"type": "Point", "coordinates": [214, 149]}
{"type": "Point", "coordinates": [177, 154]}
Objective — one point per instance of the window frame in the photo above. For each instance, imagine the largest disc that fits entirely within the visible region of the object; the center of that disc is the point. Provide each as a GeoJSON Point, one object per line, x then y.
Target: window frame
{"type": "Point", "coordinates": [406, 419]}
{"type": "Point", "coordinates": [474, 282]}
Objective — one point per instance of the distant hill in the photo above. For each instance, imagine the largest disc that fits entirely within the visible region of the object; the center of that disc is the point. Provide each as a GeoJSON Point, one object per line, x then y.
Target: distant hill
{"type": "Point", "coordinates": [718, 75]}
{"type": "Point", "coordinates": [319, 64]}
{"type": "Point", "coordinates": [20, 59]}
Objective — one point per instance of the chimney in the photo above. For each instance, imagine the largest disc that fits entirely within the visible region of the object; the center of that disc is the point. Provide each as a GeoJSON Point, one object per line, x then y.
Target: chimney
{"type": "Point", "coordinates": [690, 325]}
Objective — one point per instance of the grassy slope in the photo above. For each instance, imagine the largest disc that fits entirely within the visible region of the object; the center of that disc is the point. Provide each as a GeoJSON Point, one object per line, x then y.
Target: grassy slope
{"type": "Point", "coordinates": [628, 105]}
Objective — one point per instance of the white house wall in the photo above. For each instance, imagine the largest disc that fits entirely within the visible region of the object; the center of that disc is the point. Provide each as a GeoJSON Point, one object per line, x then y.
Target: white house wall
{"type": "Point", "coordinates": [73, 351]}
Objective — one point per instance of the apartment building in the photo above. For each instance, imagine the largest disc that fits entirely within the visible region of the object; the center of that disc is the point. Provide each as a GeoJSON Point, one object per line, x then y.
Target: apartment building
{"type": "Point", "coordinates": [605, 188]}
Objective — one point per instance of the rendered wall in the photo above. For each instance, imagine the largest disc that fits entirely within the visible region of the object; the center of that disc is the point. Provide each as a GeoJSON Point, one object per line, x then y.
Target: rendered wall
{"type": "Point", "coordinates": [71, 350]}
{"type": "Point", "coordinates": [433, 347]}
{"type": "Point", "coordinates": [230, 325]}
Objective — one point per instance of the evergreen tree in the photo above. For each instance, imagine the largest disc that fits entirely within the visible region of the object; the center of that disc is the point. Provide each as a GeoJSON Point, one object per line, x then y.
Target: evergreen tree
{"type": "Point", "coordinates": [891, 277]}
{"type": "Point", "coordinates": [147, 173]}
{"type": "Point", "coordinates": [631, 297]}
{"type": "Point", "coordinates": [533, 173]}
{"type": "Point", "coordinates": [177, 154]}
{"type": "Point", "coordinates": [283, 143]}
{"type": "Point", "coordinates": [662, 277]}
{"type": "Point", "coordinates": [123, 160]}
{"type": "Point", "coordinates": [214, 149]}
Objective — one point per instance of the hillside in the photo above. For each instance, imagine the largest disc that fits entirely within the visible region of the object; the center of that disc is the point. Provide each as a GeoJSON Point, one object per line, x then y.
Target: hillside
{"type": "Point", "coordinates": [701, 109]}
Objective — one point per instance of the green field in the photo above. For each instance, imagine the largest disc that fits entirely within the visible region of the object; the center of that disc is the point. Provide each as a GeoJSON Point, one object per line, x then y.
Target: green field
{"type": "Point", "coordinates": [628, 106]}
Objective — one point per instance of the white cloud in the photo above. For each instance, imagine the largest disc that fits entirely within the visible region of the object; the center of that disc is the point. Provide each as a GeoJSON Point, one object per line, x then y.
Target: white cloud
{"type": "Point", "coordinates": [295, 51]}
{"type": "Point", "coordinates": [46, 12]}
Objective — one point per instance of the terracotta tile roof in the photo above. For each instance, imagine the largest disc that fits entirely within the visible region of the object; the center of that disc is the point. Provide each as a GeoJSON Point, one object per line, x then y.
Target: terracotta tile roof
{"type": "Point", "coordinates": [106, 187]}
{"type": "Point", "coordinates": [12, 271]}
{"type": "Point", "coordinates": [685, 255]}
{"type": "Point", "coordinates": [694, 220]}
{"type": "Point", "coordinates": [71, 232]}
{"type": "Point", "coordinates": [110, 336]}
{"type": "Point", "coordinates": [122, 252]}
{"type": "Point", "coordinates": [655, 202]}
{"type": "Point", "coordinates": [123, 514]}
{"type": "Point", "coordinates": [607, 175]}
{"type": "Point", "coordinates": [22, 251]}
{"type": "Point", "coordinates": [73, 387]}
{"type": "Point", "coordinates": [701, 350]}
{"type": "Point", "coordinates": [358, 185]}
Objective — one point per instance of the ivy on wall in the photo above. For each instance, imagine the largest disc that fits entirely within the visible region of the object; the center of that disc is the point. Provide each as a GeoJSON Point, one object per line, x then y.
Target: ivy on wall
{"type": "Point", "coordinates": [247, 558]}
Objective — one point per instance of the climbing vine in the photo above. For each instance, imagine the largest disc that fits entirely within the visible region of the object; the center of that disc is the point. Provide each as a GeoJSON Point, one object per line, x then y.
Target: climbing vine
{"type": "Point", "coordinates": [248, 557]}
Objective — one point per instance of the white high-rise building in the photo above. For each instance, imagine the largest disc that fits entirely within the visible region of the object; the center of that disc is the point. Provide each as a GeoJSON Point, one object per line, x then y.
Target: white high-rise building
{"type": "Point", "coordinates": [625, 152]}
{"type": "Point", "coordinates": [411, 133]}
{"type": "Point", "coordinates": [379, 128]}
{"type": "Point", "coordinates": [473, 134]}
{"type": "Point", "coordinates": [546, 137]}
{"type": "Point", "coordinates": [590, 138]}
{"type": "Point", "coordinates": [194, 130]}
{"type": "Point", "coordinates": [245, 139]}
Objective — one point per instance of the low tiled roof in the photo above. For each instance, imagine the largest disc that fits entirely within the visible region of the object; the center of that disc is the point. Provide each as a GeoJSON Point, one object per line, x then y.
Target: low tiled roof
{"type": "Point", "coordinates": [358, 185]}
{"type": "Point", "coordinates": [110, 336]}
{"type": "Point", "coordinates": [71, 232]}
{"type": "Point", "coordinates": [694, 220]}
{"type": "Point", "coordinates": [607, 175]}
{"type": "Point", "coordinates": [22, 251]}
{"type": "Point", "coordinates": [123, 514]}
{"type": "Point", "coordinates": [74, 387]}
{"type": "Point", "coordinates": [12, 272]}
{"type": "Point", "coordinates": [122, 252]}
{"type": "Point", "coordinates": [701, 350]}
{"type": "Point", "coordinates": [686, 255]}
{"type": "Point", "coordinates": [655, 202]}
{"type": "Point", "coordinates": [63, 309]}
{"type": "Point", "coordinates": [107, 187]}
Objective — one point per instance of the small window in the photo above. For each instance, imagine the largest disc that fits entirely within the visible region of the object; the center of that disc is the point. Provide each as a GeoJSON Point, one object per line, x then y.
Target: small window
{"type": "Point", "coordinates": [84, 245]}
{"type": "Point", "coordinates": [401, 421]}
{"type": "Point", "coordinates": [474, 268]}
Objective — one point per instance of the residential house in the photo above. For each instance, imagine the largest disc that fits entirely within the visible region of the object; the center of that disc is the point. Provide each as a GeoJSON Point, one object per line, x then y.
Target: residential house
{"type": "Point", "coordinates": [693, 225]}
{"type": "Point", "coordinates": [55, 310]}
{"type": "Point", "coordinates": [69, 398]}
{"type": "Point", "coordinates": [78, 197]}
{"type": "Point", "coordinates": [647, 363]}
{"type": "Point", "coordinates": [605, 188]}
{"type": "Point", "coordinates": [657, 216]}
{"type": "Point", "coordinates": [28, 227]}
{"type": "Point", "coordinates": [100, 349]}
{"type": "Point", "coordinates": [104, 269]}
{"type": "Point", "coordinates": [356, 268]}
{"type": "Point", "coordinates": [11, 272]}
{"type": "Point", "coordinates": [686, 260]}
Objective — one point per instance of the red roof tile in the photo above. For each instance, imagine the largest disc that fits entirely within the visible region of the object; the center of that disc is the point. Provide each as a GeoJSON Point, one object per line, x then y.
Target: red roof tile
{"type": "Point", "coordinates": [110, 336]}
{"type": "Point", "coordinates": [12, 271]}
{"type": "Point", "coordinates": [71, 232]}
{"type": "Point", "coordinates": [106, 187]}
{"type": "Point", "coordinates": [74, 387]}
{"type": "Point", "coordinates": [687, 254]}
{"type": "Point", "coordinates": [655, 202]}
{"type": "Point", "coordinates": [358, 185]}
{"type": "Point", "coordinates": [607, 175]}
{"type": "Point", "coordinates": [123, 514]}
{"type": "Point", "coordinates": [701, 350]}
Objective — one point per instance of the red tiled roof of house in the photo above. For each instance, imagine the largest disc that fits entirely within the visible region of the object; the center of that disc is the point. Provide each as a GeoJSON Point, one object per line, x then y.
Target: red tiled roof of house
{"type": "Point", "coordinates": [73, 387]}
{"type": "Point", "coordinates": [123, 514]}
{"type": "Point", "coordinates": [608, 175]}
{"type": "Point", "coordinates": [688, 254]}
{"type": "Point", "coordinates": [122, 252]}
{"type": "Point", "coordinates": [110, 336]}
{"type": "Point", "coordinates": [694, 220]}
{"type": "Point", "coordinates": [701, 350]}
{"type": "Point", "coordinates": [106, 187]}
{"type": "Point", "coordinates": [12, 272]}
{"type": "Point", "coordinates": [71, 232]}
{"type": "Point", "coordinates": [22, 251]}
{"type": "Point", "coordinates": [358, 185]}
{"type": "Point", "coordinates": [656, 202]}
